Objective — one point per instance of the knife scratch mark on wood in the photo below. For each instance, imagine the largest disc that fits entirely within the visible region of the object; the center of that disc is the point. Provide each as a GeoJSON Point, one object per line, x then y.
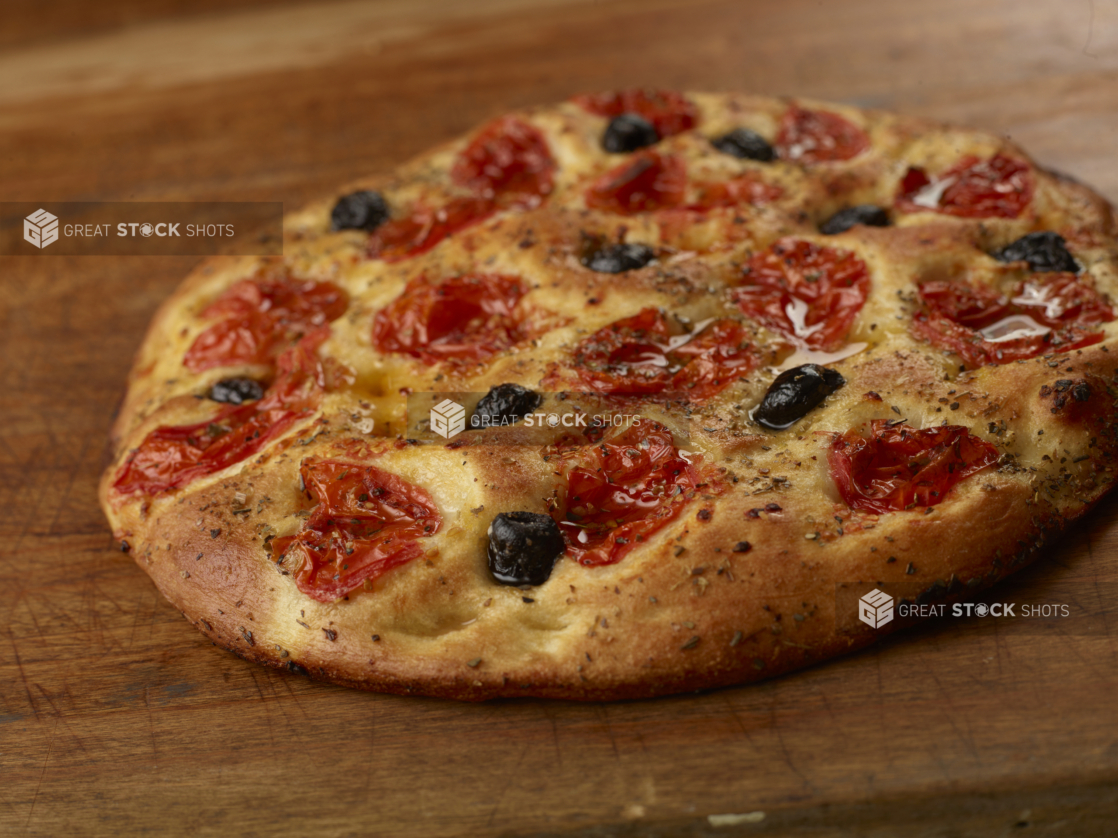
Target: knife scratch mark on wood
{"type": "Point", "coordinates": [58, 714]}
{"type": "Point", "coordinates": [42, 774]}
{"type": "Point", "coordinates": [65, 497]}
{"type": "Point", "coordinates": [23, 678]}
{"type": "Point", "coordinates": [506, 786]}
{"type": "Point", "coordinates": [775, 727]}
{"type": "Point", "coordinates": [286, 680]}
{"type": "Point", "coordinates": [267, 706]}
{"type": "Point", "coordinates": [738, 720]}
{"type": "Point", "coordinates": [555, 736]}
{"type": "Point", "coordinates": [604, 713]}
{"type": "Point", "coordinates": [950, 713]}
{"type": "Point", "coordinates": [151, 721]}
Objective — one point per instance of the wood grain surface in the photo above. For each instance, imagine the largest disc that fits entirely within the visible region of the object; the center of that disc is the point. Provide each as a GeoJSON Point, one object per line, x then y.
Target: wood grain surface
{"type": "Point", "coordinates": [117, 718]}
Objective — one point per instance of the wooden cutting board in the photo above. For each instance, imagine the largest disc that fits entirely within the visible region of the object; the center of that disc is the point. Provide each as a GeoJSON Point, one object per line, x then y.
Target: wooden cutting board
{"type": "Point", "coordinates": [117, 718]}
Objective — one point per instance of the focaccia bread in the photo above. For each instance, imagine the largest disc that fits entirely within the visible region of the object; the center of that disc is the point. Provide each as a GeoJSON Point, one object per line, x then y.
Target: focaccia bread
{"type": "Point", "coordinates": [725, 364]}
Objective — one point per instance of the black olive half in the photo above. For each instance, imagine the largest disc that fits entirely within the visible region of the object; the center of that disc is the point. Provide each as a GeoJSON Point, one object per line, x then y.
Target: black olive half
{"type": "Point", "coordinates": [628, 132]}
{"type": "Point", "coordinates": [844, 219]}
{"type": "Point", "coordinates": [505, 404]}
{"type": "Point", "coordinates": [745, 145]}
{"type": "Point", "coordinates": [794, 394]}
{"type": "Point", "coordinates": [1045, 251]}
{"type": "Point", "coordinates": [236, 391]}
{"type": "Point", "coordinates": [523, 547]}
{"type": "Point", "coordinates": [365, 210]}
{"type": "Point", "coordinates": [618, 258]}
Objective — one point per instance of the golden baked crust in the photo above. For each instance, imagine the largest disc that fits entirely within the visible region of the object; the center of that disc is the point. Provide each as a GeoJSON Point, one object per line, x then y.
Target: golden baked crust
{"type": "Point", "coordinates": [682, 610]}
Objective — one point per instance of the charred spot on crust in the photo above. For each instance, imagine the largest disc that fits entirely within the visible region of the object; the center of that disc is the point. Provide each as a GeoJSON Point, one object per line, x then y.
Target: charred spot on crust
{"type": "Point", "coordinates": [1044, 251]}
{"type": "Point", "coordinates": [618, 258]}
{"type": "Point", "coordinates": [745, 145]}
{"type": "Point", "coordinates": [236, 391]}
{"type": "Point", "coordinates": [364, 210]}
{"type": "Point", "coordinates": [505, 404]}
{"type": "Point", "coordinates": [297, 669]}
{"type": "Point", "coordinates": [628, 132]}
{"type": "Point", "coordinates": [794, 394]}
{"type": "Point", "coordinates": [1066, 391]}
{"type": "Point", "coordinates": [870, 215]}
{"type": "Point", "coordinates": [523, 547]}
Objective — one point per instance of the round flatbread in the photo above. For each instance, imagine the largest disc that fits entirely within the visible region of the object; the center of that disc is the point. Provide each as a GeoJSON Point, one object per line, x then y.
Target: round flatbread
{"type": "Point", "coordinates": [630, 395]}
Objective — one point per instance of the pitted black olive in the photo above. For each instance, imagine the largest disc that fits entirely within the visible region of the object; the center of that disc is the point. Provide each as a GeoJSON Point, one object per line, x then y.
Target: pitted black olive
{"type": "Point", "coordinates": [523, 547]}
{"type": "Point", "coordinates": [236, 391]}
{"type": "Point", "coordinates": [844, 219]}
{"type": "Point", "coordinates": [745, 145]}
{"type": "Point", "coordinates": [505, 404]}
{"type": "Point", "coordinates": [1045, 251]}
{"type": "Point", "coordinates": [628, 132]}
{"type": "Point", "coordinates": [365, 210]}
{"type": "Point", "coordinates": [794, 394]}
{"type": "Point", "coordinates": [618, 258]}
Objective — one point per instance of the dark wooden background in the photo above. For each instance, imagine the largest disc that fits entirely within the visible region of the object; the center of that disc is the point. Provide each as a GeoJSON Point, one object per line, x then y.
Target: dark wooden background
{"type": "Point", "coordinates": [117, 718]}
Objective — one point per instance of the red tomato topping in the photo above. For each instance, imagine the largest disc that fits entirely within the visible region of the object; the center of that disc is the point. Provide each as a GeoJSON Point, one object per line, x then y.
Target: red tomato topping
{"type": "Point", "coordinates": [955, 314]}
{"type": "Point", "coordinates": [977, 352]}
{"type": "Point", "coordinates": [1000, 187]}
{"type": "Point", "coordinates": [745, 189]}
{"type": "Point", "coordinates": [973, 306]}
{"type": "Point", "coordinates": [712, 360]}
{"type": "Point", "coordinates": [366, 523]}
{"type": "Point", "coordinates": [669, 112]}
{"type": "Point", "coordinates": [509, 158]}
{"type": "Point", "coordinates": [818, 136]}
{"type": "Point", "coordinates": [805, 291]}
{"type": "Point", "coordinates": [627, 357]}
{"type": "Point", "coordinates": [646, 181]}
{"type": "Point", "coordinates": [259, 317]}
{"type": "Point", "coordinates": [466, 318]}
{"type": "Point", "coordinates": [622, 490]}
{"type": "Point", "coordinates": [1061, 298]}
{"type": "Point", "coordinates": [508, 162]}
{"type": "Point", "coordinates": [682, 225]}
{"type": "Point", "coordinates": [171, 457]}
{"type": "Point", "coordinates": [402, 238]}
{"type": "Point", "coordinates": [640, 355]}
{"type": "Point", "coordinates": [899, 467]}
